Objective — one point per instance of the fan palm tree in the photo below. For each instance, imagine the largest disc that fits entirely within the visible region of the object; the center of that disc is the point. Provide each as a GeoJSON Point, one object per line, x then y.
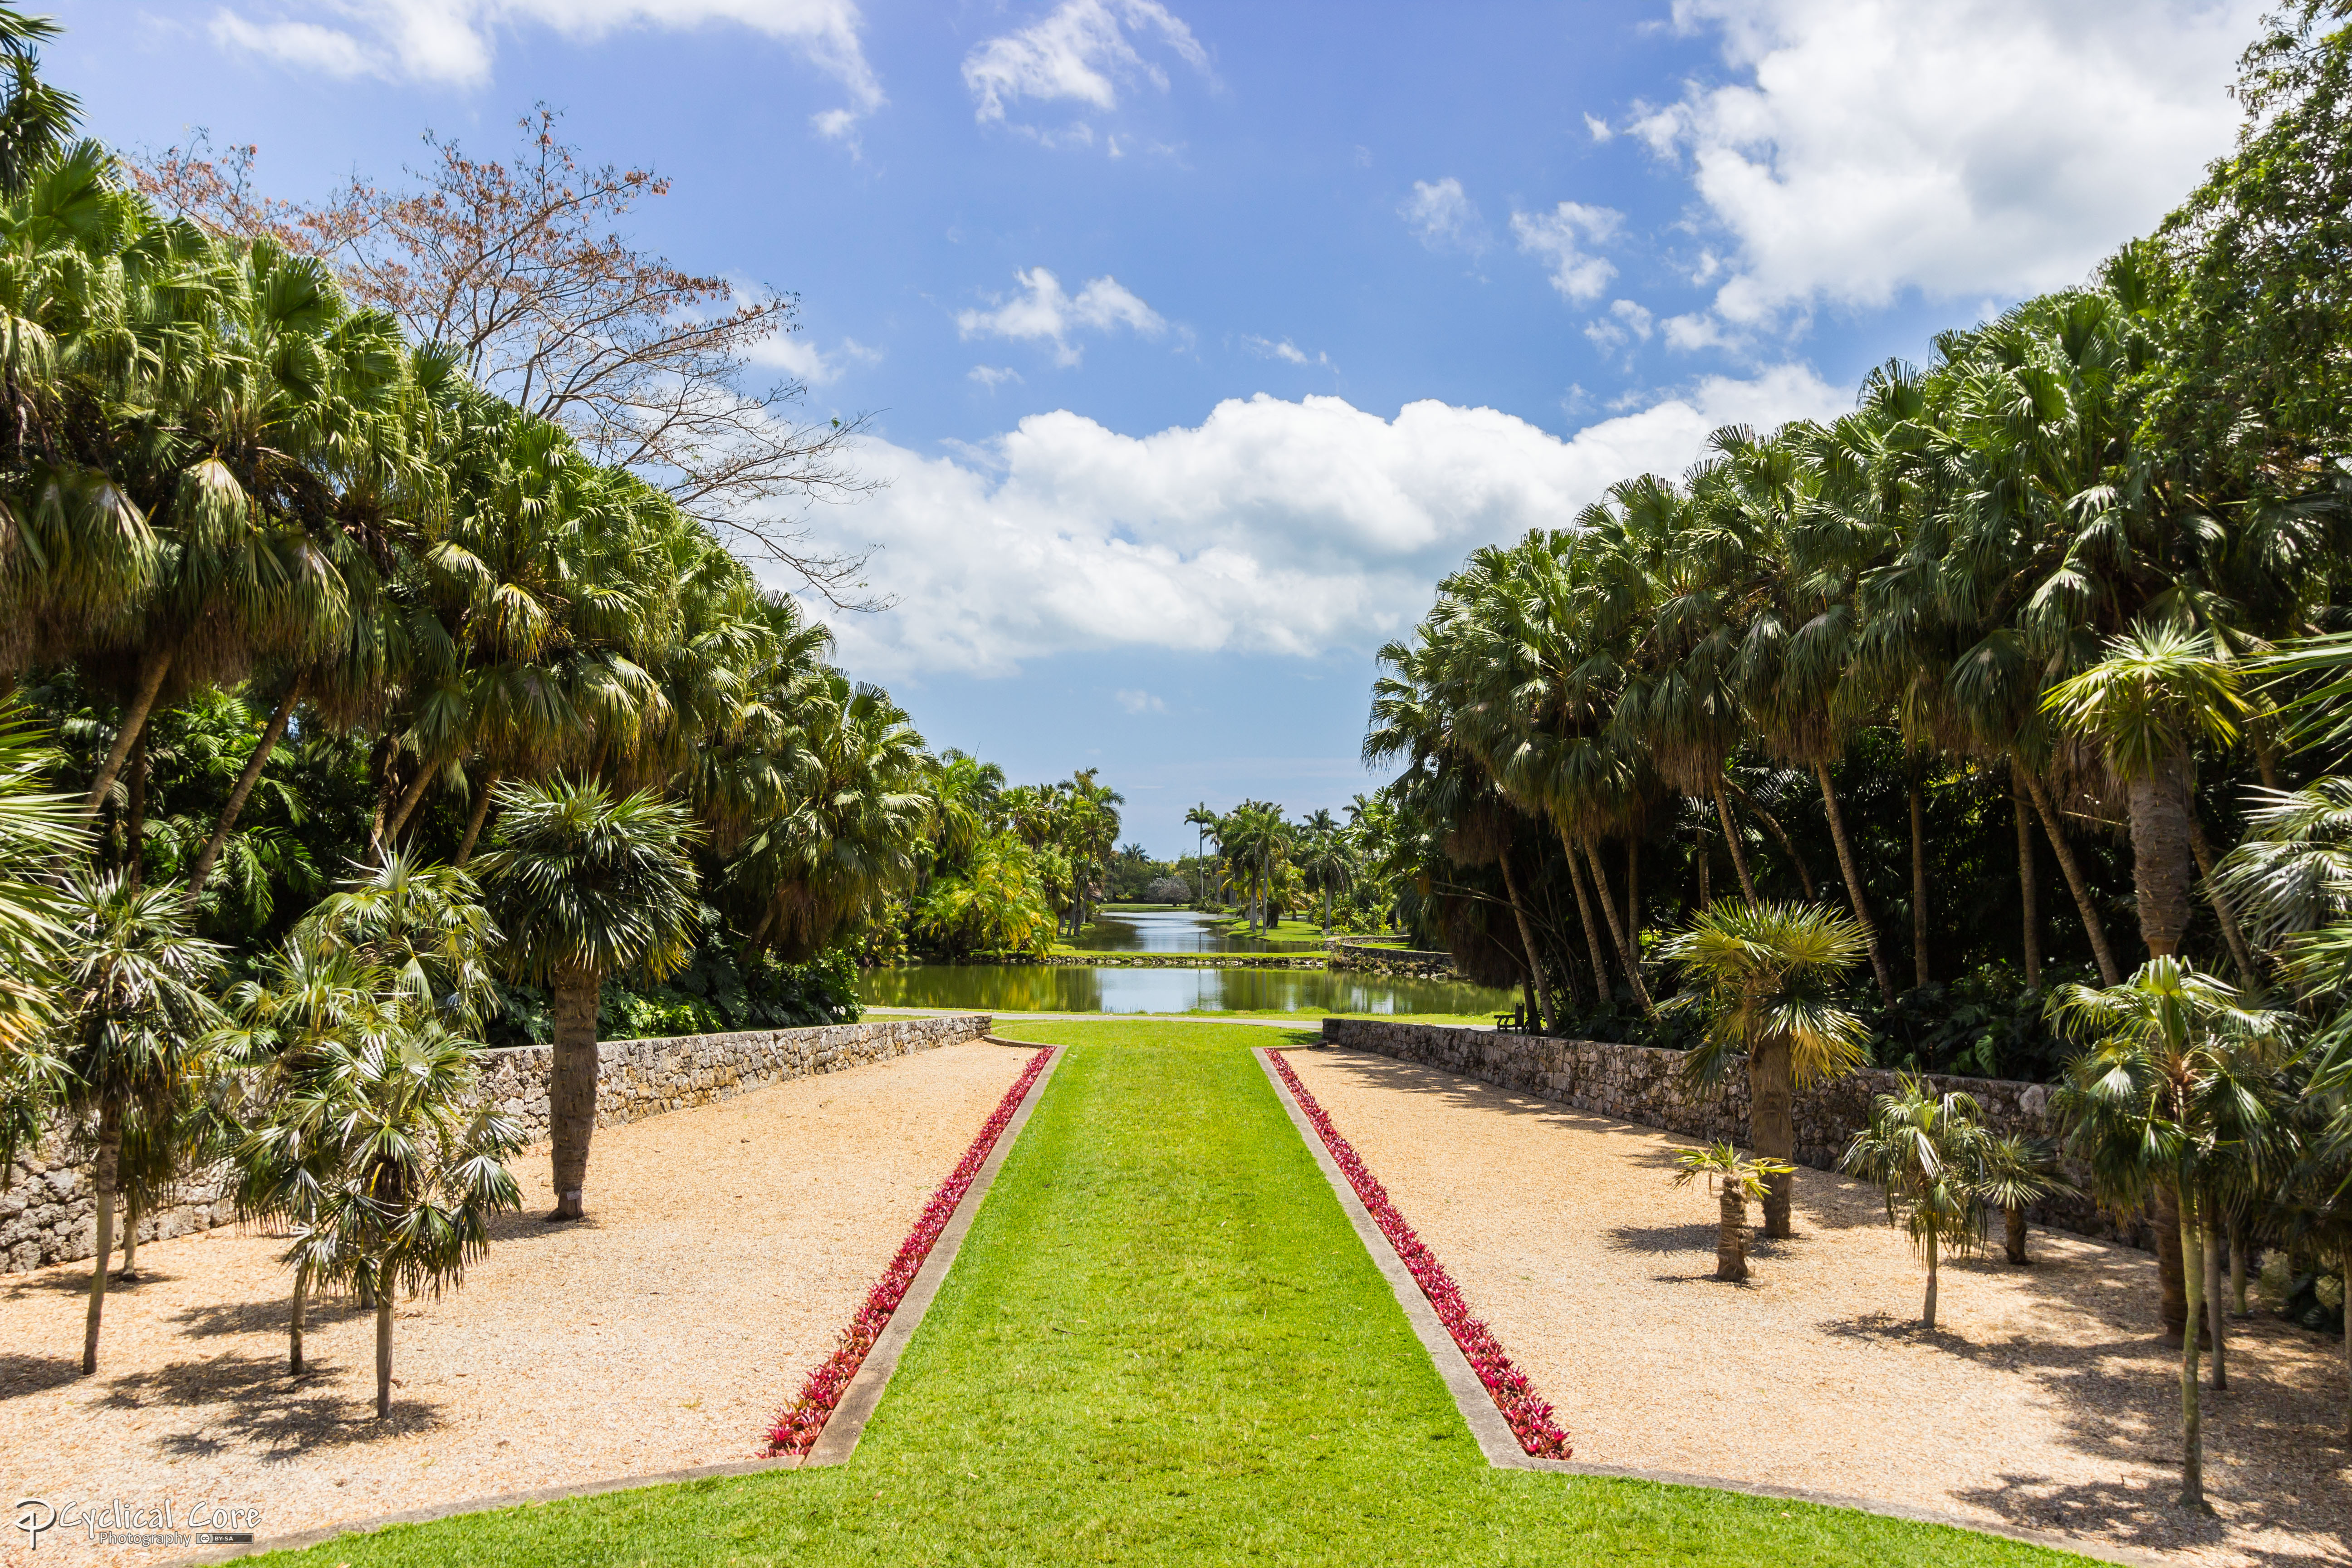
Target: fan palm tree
{"type": "Point", "coordinates": [1736, 1181]}
{"type": "Point", "coordinates": [2159, 690]}
{"type": "Point", "coordinates": [1924, 1152]}
{"type": "Point", "coordinates": [1765, 974]}
{"type": "Point", "coordinates": [40, 832]}
{"type": "Point", "coordinates": [134, 1018]}
{"type": "Point", "coordinates": [585, 886]}
{"type": "Point", "coordinates": [2179, 1081]}
{"type": "Point", "coordinates": [2013, 1171]}
{"type": "Point", "coordinates": [418, 1167]}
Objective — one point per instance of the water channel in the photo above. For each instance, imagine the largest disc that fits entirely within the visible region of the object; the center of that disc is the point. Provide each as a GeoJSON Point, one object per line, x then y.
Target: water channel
{"type": "Point", "coordinates": [1075, 988]}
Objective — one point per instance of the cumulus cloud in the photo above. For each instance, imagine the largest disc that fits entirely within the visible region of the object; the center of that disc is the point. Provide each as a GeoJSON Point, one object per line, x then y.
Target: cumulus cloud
{"type": "Point", "coordinates": [993, 376]}
{"type": "Point", "coordinates": [1443, 217]}
{"type": "Point", "coordinates": [1561, 237]}
{"type": "Point", "coordinates": [1626, 323]}
{"type": "Point", "coordinates": [1140, 702]}
{"type": "Point", "coordinates": [455, 41]}
{"type": "Point", "coordinates": [1042, 310]}
{"type": "Point", "coordinates": [1084, 51]}
{"type": "Point", "coordinates": [1285, 350]}
{"type": "Point", "coordinates": [1273, 526]}
{"type": "Point", "coordinates": [1866, 147]}
{"type": "Point", "coordinates": [803, 360]}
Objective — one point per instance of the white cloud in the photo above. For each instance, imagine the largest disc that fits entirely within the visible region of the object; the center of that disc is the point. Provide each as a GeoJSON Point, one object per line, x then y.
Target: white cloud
{"type": "Point", "coordinates": [1082, 51]}
{"type": "Point", "coordinates": [1442, 215]}
{"type": "Point", "coordinates": [1560, 236]}
{"type": "Point", "coordinates": [802, 360]}
{"type": "Point", "coordinates": [1273, 526]}
{"type": "Point", "coordinates": [1285, 350]}
{"type": "Point", "coordinates": [1599, 128]}
{"type": "Point", "coordinates": [1627, 322]}
{"type": "Point", "coordinates": [1866, 147]}
{"type": "Point", "coordinates": [455, 41]}
{"type": "Point", "coordinates": [992, 376]}
{"type": "Point", "coordinates": [1140, 702]}
{"type": "Point", "coordinates": [1043, 311]}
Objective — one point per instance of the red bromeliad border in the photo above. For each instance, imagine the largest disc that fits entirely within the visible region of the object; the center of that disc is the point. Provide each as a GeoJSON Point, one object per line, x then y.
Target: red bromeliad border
{"type": "Point", "coordinates": [1529, 1415]}
{"type": "Point", "coordinates": [796, 1428]}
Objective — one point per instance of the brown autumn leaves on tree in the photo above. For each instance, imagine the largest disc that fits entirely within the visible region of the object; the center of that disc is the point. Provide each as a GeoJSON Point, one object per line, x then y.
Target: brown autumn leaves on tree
{"type": "Point", "coordinates": [519, 270]}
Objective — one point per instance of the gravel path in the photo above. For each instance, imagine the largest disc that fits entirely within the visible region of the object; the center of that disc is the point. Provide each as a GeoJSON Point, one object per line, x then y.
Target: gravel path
{"type": "Point", "coordinates": [726, 1247]}
{"type": "Point", "coordinates": [2045, 1400]}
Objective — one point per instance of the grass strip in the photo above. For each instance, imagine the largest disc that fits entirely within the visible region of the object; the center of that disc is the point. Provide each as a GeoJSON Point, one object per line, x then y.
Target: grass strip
{"type": "Point", "coordinates": [1163, 1342]}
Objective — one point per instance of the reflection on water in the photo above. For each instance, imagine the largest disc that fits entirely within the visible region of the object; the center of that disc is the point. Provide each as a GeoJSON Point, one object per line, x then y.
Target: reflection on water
{"type": "Point", "coordinates": [1178, 931]}
{"type": "Point", "coordinates": [1036, 988]}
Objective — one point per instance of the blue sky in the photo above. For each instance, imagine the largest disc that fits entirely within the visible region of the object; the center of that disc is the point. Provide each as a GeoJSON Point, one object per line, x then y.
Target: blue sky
{"type": "Point", "coordinates": [1200, 339]}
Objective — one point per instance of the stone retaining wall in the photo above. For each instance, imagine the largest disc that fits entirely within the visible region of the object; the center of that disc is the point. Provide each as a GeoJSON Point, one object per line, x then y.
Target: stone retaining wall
{"type": "Point", "coordinates": [1638, 1083]}
{"type": "Point", "coordinates": [48, 1211]}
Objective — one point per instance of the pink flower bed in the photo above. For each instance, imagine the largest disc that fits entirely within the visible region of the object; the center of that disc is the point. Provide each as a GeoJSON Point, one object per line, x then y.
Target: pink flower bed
{"type": "Point", "coordinates": [1529, 1415]}
{"type": "Point", "coordinates": [797, 1429]}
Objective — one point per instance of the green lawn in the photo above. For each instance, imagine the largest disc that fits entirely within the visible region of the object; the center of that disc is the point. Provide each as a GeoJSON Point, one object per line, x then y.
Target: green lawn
{"type": "Point", "coordinates": [1162, 1343]}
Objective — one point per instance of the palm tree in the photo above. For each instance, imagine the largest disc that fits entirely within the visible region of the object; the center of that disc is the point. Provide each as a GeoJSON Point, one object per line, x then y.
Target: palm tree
{"type": "Point", "coordinates": [40, 832]}
{"type": "Point", "coordinates": [1327, 860]}
{"type": "Point", "coordinates": [1735, 1180]}
{"type": "Point", "coordinates": [134, 1019]}
{"type": "Point", "coordinates": [1924, 1152]}
{"type": "Point", "coordinates": [585, 886]}
{"type": "Point", "coordinates": [2180, 1080]}
{"type": "Point", "coordinates": [2013, 1171]}
{"type": "Point", "coordinates": [418, 1168]}
{"type": "Point", "coordinates": [2158, 690]}
{"type": "Point", "coordinates": [1206, 824]}
{"type": "Point", "coordinates": [1765, 976]}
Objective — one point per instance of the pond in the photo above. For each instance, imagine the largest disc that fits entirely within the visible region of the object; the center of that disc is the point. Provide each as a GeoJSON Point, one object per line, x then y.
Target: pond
{"type": "Point", "coordinates": [1038, 988]}
{"type": "Point", "coordinates": [1118, 930]}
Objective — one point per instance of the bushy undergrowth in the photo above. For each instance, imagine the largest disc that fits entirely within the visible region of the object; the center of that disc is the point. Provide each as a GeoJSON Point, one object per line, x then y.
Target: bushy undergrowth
{"type": "Point", "coordinates": [718, 991]}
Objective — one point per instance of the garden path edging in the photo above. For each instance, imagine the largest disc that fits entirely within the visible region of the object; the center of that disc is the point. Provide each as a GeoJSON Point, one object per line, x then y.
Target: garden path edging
{"type": "Point", "coordinates": [1500, 1447]}
{"type": "Point", "coordinates": [856, 1405]}
{"type": "Point", "coordinates": [847, 1424]}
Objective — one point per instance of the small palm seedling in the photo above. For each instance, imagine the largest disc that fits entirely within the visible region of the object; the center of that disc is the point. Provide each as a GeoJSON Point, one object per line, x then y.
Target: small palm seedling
{"type": "Point", "coordinates": [2013, 1171]}
{"type": "Point", "coordinates": [1924, 1152]}
{"type": "Point", "coordinates": [1735, 1181]}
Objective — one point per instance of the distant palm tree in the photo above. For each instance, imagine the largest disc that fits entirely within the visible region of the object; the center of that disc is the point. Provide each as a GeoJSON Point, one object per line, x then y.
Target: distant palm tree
{"type": "Point", "coordinates": [1766, 975]}
{"type": "Point", "coordinates": [1206, 824]}
{"type": "Point", "coordinates": [1924, 1152]}
{"type": "Point", "coordinates": [585, 886]}
{"type": "Point", "coordinates": [1327, 858]}
{"type": "Point", "coordinates": [135, 1014]}
{"type": "Point", "coordinates": [1736, 1181]}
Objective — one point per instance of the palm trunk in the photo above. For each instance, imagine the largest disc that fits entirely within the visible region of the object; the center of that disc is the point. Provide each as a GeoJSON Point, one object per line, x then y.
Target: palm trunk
{"type": "Point", "coordinates": [294, 1317]}
{"type": "Point", "coordinates": [1853, 894]}
{"type": "Point", "coordinates": [2238, 1266]}
{"type": "Point", "coordinates": [2158, 805]}
{"type": "Point", "coordinates": [129, 1236]}
{"type": "Point", "coordinates": [1546, 1017]}
{"type": "Point", "coordinates": [2211, 1248]}
{"type": "Point", "coordinates": [2346, 1276]}
{"type": "Point", "coordinates": [1731, 1234]}
{"type": "Point", "coordinates": [102, 1176]}
{"type": "Point", "coordinates": [1731, 842]}
{"type": "Point", "coordinates": [1773, 1127]}
{"type": "Point", "coordinates": [134, 817]}
{"type": "Point", "coordinates": [410, 799]}
{"type": "Point", "coordinates": [2223, 915]}
{"type": "Point", "coordinates": [2093, 926]}
{"type": "Point", "coordinates": [384, 1353]}
{"type": "Point", "coordinates": [1919, 971]}
{"type": "Point", "coordinates": [1788, 846]}
{"type": "Point", "coordinates": [571, 1088]}
{"type": "Point", "coordinates": [1592, 925]}
{"type": "Point", "coordinates": [2029, 900]}
{"type": "Point", "coordinates": [1326, 911]}
{"type": "Point", "coordinates": [2013, 1227]}
{"type": "Point", "coordinates": [480, 814]}
{"type": "Point", "coordinates": [1627, 954]}
{"type": "Point", "coordinates": [275, 730]}
{"type": "Point", "coordinates": [2192, 1417]}
{"type": "Point", "coordinates": [153, 668]}
{"type": "Point", "coordinates": [1927, 1314]}
{"type": "Point", "coordinates": [2171, 1286]}
{"type": "Point", "coordinates": [1705, 892]}
{"type": "Point", "coordinates": [1634, 893]}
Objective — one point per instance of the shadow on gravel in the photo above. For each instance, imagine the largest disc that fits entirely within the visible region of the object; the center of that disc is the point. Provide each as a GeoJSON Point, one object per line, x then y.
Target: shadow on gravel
{"type": "Point", "coordinates": [253, 1400]}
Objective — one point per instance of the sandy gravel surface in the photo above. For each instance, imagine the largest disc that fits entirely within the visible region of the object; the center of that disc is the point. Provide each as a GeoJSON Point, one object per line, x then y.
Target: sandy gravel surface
{"type": "Point", "coordinates": [725, 1249]}
{"type": "Point", "coordinates": [2044, 1400]}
